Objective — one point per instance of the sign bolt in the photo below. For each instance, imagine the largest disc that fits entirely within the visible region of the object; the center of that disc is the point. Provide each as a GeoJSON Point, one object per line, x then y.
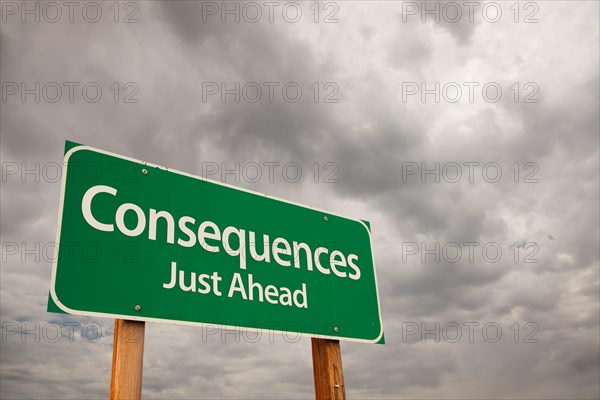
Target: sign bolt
{"type": "Point", "coordinates": [325, 219]}
{"type": "Point", "coordinates": [145, 171]}
{"type": "Point", "coordinates": [138, 307]}
{"type": "Point", "coordinates": [336, 329]}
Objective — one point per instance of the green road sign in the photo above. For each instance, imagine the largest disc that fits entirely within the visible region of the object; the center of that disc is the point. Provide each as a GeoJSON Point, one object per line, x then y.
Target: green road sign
{"type": "Point", "coordinates": [143, 242]}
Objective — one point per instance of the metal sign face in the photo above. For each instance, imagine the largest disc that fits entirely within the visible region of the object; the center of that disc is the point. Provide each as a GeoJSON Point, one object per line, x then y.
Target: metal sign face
{"type": "Point", "coordinates": [142, 242]}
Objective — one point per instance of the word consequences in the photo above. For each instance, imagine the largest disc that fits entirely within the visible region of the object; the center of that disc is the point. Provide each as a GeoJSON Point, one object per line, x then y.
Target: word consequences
{"type": "Point", "coordinates": [234, 241]}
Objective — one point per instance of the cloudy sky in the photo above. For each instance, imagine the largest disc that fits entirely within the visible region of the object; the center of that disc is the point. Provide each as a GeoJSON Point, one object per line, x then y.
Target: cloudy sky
{"type": "Point", "coordinates": [479, 127]}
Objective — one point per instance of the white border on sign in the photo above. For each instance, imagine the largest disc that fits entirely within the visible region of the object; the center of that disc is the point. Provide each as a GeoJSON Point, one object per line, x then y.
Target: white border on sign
{"type": "Point", "coordinates": [173, 321]}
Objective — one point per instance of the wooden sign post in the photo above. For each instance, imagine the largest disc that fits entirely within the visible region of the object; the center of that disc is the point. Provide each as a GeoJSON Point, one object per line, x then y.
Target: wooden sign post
{"type": "Point", "coordinates": [327, 368]}
{"type": "Point", "coordinates": [128, 360]}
